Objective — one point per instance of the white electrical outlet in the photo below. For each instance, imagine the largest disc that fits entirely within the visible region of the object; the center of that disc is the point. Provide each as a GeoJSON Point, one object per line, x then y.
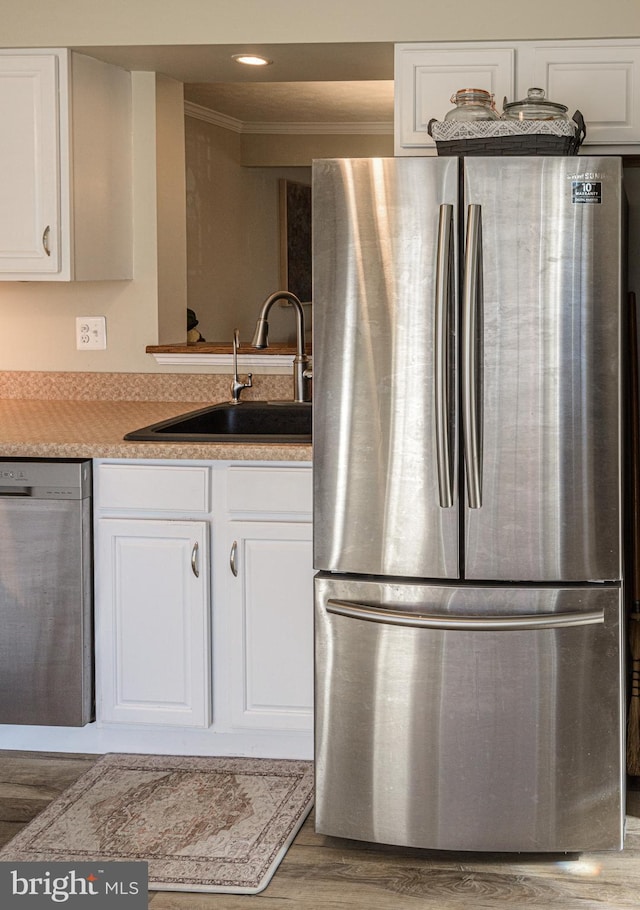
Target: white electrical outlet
{"type": "Point", "coordinates": [91, 333]}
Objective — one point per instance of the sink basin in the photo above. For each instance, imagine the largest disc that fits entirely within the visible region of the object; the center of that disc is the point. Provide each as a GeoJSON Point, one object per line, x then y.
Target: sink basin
{"type": "Point", "coordinates": [249, 421]}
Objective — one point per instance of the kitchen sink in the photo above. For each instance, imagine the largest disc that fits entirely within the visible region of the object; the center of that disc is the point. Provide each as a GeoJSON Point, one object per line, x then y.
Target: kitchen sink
{"type": "Point", "coordinates": [247, 421]}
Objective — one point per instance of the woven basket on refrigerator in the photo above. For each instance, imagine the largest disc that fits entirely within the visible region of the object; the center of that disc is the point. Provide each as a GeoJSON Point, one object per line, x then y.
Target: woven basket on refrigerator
{"type": "Point", "coordinates": [508, 137]}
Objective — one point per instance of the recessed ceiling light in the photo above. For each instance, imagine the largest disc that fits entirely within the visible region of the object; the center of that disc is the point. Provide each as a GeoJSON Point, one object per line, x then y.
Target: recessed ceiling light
{"type": "Point", "coordinates": [251, 59]}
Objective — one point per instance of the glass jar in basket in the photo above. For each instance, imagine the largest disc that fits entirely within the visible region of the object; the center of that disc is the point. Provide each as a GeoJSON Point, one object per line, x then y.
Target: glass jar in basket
{"type": "Point", "coordinates": [472, 104]}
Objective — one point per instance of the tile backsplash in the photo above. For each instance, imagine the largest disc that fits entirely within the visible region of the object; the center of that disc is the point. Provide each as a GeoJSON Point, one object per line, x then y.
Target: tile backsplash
{"type": "Point", "coordinates": [196, 387]}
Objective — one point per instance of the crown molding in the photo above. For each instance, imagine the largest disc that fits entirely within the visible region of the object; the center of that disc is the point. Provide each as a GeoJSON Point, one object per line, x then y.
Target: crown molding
{"type": "Point", "coordinates": [366, 128]}
{"type": "Point", "coordinates": [204, 113]}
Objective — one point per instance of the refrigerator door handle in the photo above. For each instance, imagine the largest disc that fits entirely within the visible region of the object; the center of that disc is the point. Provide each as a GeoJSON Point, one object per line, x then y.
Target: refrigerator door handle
{"type": "Point", "coordinates": [471, 384]}
{"type": "Point", "coordinates": [442, 365]}
{"type": "Point", "coordinates": [515, 623]}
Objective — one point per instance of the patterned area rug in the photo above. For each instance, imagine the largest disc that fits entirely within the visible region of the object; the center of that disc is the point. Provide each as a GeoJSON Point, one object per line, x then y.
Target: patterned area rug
{"type": "Point", "coordinates": [202, 824]}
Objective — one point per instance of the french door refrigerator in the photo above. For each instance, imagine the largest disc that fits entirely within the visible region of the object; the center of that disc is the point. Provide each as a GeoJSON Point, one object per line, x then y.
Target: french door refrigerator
{"type": "Point", "coordinates": [468, 471]}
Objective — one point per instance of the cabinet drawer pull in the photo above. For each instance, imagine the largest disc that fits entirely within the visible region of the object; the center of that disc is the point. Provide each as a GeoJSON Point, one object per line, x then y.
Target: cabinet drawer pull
{"type": "Point", "coordinates": [45, 239]}
{"type": "Point", "coordinates": [233, 558]}
{"type": "Point", "coordinates": [194, 560]}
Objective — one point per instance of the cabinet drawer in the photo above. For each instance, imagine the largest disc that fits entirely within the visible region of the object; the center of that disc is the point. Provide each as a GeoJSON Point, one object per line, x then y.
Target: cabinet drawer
{"type": "Point", "coordinates": [270, 490]}
{"type": "Point", "coordinates": [153, 488]}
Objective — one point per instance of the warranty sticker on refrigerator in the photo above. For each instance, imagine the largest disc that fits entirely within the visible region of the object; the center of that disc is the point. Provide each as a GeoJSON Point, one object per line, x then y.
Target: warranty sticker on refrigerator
{"type": "Point", "coordinates": [586, 192]}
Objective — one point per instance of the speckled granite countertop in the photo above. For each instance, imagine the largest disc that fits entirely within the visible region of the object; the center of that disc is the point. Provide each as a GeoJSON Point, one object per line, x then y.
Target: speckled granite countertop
{"type": "Point", "coordinates": [95, 429]}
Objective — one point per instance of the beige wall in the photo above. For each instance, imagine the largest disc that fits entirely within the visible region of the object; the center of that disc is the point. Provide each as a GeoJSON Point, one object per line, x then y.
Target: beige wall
{"type": "Point", "coordinates": [171, 213]}
{"type": "Point", "coordinates": [78, 22]}
{"type": "Point", "coordinates": [233, 234]}
{"type": "Point", "coordinates": [265, 149]}
{"type": "Point", "coordinates": [38, 319]}
{"type": "Point", "coordinates": [233, 223]}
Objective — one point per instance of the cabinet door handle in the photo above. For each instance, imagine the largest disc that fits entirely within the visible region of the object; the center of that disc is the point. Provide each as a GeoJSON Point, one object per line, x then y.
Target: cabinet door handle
{"type": "Point", "coordinates": [233, 558]}
{"type": "Point", "coordinates": [194, 560]}
{"type": "Point", "coordinates": [45, 239]}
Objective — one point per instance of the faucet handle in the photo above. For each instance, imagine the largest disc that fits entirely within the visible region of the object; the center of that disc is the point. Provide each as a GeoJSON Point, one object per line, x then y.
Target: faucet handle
{"type": "Point", "coordinates": [237, 387]}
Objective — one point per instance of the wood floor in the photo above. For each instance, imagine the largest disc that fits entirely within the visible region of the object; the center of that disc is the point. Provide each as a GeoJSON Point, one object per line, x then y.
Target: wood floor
{"type": "Point", "coordinates": [322, 873]}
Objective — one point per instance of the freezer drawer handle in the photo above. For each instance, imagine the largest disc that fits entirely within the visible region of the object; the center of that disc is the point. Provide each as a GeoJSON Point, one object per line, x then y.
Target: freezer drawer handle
{"type": "Point", "coordinates": [517, 623]}
{"type": "Point", "coordinates": [471, 363]}
{"type": "Point", "coordinates": [442, 365]}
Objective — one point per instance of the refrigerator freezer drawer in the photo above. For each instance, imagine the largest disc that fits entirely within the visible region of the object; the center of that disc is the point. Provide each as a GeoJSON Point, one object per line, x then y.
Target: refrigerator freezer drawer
{"type": "Point", "coordinates": [472, 718]}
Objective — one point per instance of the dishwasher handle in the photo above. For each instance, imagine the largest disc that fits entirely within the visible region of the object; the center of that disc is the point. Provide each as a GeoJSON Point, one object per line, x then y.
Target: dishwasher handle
{"type": "Point", "coordinates": [15, 491]}
{"type": "Point", "coordinates": [513, 623]}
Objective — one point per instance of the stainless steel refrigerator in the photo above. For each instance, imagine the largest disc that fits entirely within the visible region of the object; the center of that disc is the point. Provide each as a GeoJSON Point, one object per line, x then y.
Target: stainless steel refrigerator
{"type": "Point", "coordinates": [468, 510]}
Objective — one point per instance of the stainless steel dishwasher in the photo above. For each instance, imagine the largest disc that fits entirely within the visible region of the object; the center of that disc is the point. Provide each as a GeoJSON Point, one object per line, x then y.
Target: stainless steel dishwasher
{"type": "Point", "coordinates": [46, 634]}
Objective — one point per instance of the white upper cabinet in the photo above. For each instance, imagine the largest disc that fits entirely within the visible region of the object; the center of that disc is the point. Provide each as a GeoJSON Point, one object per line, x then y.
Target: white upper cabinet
{"type": "Point", "coordinates": [601, 79]}
{"type": "Point", "coordinates": [427, 75]}
{"type": "Point", "coordinates": [28, 186]}
{"type": "Point", "coordinates": [65, 167]}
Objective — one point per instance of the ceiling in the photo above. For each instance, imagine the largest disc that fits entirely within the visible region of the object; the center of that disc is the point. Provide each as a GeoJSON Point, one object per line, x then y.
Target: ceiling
{"type": "Point", "coordinates": [305, 83]}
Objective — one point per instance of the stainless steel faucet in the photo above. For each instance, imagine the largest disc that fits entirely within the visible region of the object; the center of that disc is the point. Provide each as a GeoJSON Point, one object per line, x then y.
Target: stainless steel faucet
{"type": "Point", "coordinates": [237, 386]}
{"type": "Point", "coordinates": [301, 371]}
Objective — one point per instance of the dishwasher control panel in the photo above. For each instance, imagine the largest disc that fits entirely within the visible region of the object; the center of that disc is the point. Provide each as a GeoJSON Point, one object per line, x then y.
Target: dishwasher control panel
{"type": "Point", "coordinates": [46, 479]}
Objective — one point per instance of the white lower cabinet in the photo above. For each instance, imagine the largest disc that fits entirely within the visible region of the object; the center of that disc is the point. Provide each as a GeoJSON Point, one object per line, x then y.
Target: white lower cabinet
{"type": "Point", "coordinates": [152, 625]}
{"type": "Point", "coordinates": [204, 607]}
{"type": "Point", "coordinates": [271, 624]}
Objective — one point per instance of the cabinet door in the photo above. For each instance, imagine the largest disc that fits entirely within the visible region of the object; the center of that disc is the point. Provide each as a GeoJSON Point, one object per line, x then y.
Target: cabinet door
{"type": "Point", "coordinates": [427, 75]}
{"type": "Point", "coordinates": [152, 622]}
{"type": "Point", "coordinates": [600, 80]}
{"type": "Point", "coordinates": [29, 167]}
{"type": "Point", "coordinates": [271, 622]}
